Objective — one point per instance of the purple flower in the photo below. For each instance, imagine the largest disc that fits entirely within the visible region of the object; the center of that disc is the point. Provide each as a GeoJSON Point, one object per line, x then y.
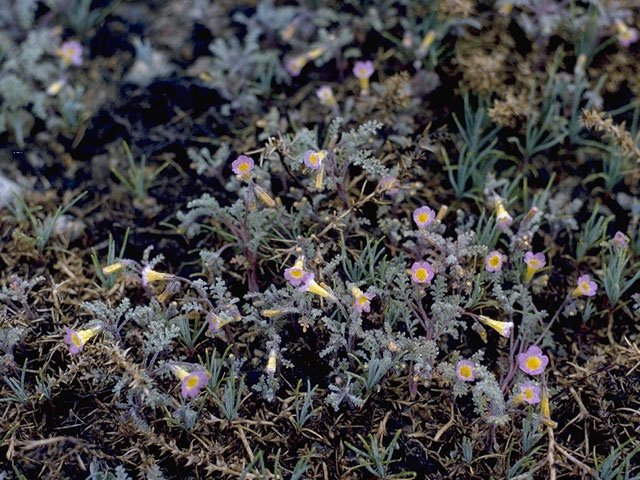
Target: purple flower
{"type": "Point", "coordinates": [389, 185]}
{"type": "Point", "coordinates": [71, 53]}
{"type": "Point", "coordinates": [626, 35]}
{"type": "Point", "coordinates": [620, 239]}
{"type": "Point", "coordinates": [532, 361]}
{"type": "Point", "coordinates": [466, 371]}
{"type": "Point", "coordinates": [363, 69]}
{"type": "Point", "coordinates": [77, 338]}
{"type": "Point", "coordinates": [423, 216]}
{"type": "Point", "coordinates": [493, 261]}
{"type": "Point", "coordinates": [362, 300]}
{"type": "Point", "coordinates": [534, 261]}
{"type": "Point", "coordinates": [325, 95]}
{"type": "Point", "coordinates": [586, 287]}
{"type": "Point", "coordinates": [422, 272]}
{"type": "Point", "coordinates": [242, 166]}
{"type": "Point", "coordinates": [294, 65]}
{"type": "Point", "coordinates": [313, 160]}
{"type": "Point", "coordinates": [530, 393]}
{"type": "Point", "coordinates": [193, 383]}
{"type": "Point", "coordinates": [296, 274]}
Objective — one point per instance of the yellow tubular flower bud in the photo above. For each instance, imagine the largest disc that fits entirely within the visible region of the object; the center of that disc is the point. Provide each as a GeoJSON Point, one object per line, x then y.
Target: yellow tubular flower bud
{"type": "Point", "coordinates": [544, 407]}
{"type": "Point", "coordinates": [530, 273]}
{"type": "Point", "coordinates": [442, 212]}
{"type": "Point", "coordinates": [271, 363]}
{"type": "Point", "coordinates": [427, 41]}
{"type": "Point", "coordinates": [264, 197]}
{"type": "Point", "coordinates": [181, 373]}
{"type": "Point", "coordinates": [319, 177]}
{"type": "Point", "coordinates": [86, 334]}
{"type": "Point", "coordinates": [314, 287]}
{"type": "Point", "coordinates": [519, 398]}
{"type": "Point", "coordinates": [271, 313]}
{"type": "Point", "coordinates": [315, 53]}
{"type": "Point", "coordinates": [113, 268]}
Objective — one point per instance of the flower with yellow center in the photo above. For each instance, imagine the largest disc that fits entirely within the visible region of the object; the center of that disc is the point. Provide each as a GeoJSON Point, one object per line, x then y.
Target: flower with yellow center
{"type": "Point", "coordinates": [532, 361]}
{"type": "Point", "coordinates": [534, 261]}
{"type": "Point", "coordinates": [362, 301]}
{"type": "Point", "coordinates": [77, 338]}
{"type": "Point", "coordinates": [466, 371]}
{"type": "Point", "coordinates": [585, 287]}
{"type": "Point", "coordinates": [296, 274]}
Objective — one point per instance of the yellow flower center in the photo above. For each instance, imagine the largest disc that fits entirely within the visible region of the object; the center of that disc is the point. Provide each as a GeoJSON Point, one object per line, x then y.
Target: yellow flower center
{"type": "Point", "coordinates": [192, 382]}
{"type": "Point", "coordinates": [363, 300]}
{"type": "Point", "coordinates": [362, 72]}
{"type": "Point", "coordinates": [533, 363]}
{"type": "Point", "coordinates": [465, 371]}
{"type": "Point", "coordinates": [626, 35]}
{"type": "Point", "coordinates": [421, 274]}
{"type": "Point", "coordinates": [243, 167]}
{"type": "Point", "coordinates": [528, 393]}
{"type": "Point", "coordinates": [295, 273]}
{"type": "Point", "coordinates": [423, 217]}
{"type": "Point", "coordinates": [533, 263]}
{"type": "Point", "coordinates": [494, 261]}
{"type": "Point", "coordinates": [313, 159]}
{"type": "Point", "coordinates": [585, 287]}
{"type": "Point", "coordinates": [77, 341]}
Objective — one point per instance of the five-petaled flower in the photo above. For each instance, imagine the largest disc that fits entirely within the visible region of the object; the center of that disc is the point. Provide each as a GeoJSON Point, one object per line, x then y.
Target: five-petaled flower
{"type": "Point", "coordinates": [626, 35]}
{"type": "Point", "coordinates": [313, 159]}
{"type": "Point", "coordinates": [77, 338]}
{"type": "Point", "coordinates": [242, 166]}
{"type": "Point", "coordinates": [466, 371]}
{"type": "Point", "coordinates": [534, 261]}
{"type": "Point", "coordinates": [503, 328]}
{"type": "Point", "coordinates": [71, 53]}
{"type": "Point", "coordinates": [296, 274]}
{"type": "Point", "coordinates": [362, 301]}
{"type": "Point", "coordinates": [529, 392]}
{"type": "Point", "coordinates": [191, 383]}
{"type": "Point", "coordinates": [422, 272]}
{"type": "Point", "coordinates": [325, 95]}
{"type": "Point", "coordinates": [294, 65]}
{"type": "Point", "coordinates": [423, 216]}
{"type": "Point", "coordinates": [494, 260]}
{"type": "Point", "coordinates": [586, 287]}
{"type": "Point", "coordinates": [532, 361]}
{"type": "Point", "coordinates": [502, 216]}
{"type": "Point", "coordinates": [363, 70]}
{"type": "Point", "coordinates": [389, 185]}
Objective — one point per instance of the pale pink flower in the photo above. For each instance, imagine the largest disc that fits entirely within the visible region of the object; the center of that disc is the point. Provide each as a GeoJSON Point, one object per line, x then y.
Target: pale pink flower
{"type": "Point", "coordinates": [422, 272]}
{"type": "Point", "coordinates": [494, 261]}
{"type": "Point", "coordinates": [466, 370]}
{"type": "Point", "coordinates": [423, 216]}
{"type": "Point", "coordinates": [532, 361]}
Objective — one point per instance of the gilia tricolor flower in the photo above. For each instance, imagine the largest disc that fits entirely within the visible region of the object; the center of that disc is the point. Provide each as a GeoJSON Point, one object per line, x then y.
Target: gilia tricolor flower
{"type": "Point", "coordinates": [389, 185]}
{"type": "Point", "coordinates": [494, 260]}
{"type": "Point", "coordinates": [363, 71]}
{"type": "Point", "coordinates": [242, 167]}
{"type": "Point", "coordinates": [502, 216]}
{"type": "Point", "coordinates": [310, 285]}
{"type": "Point", "coordinates": [586, 287]}
{"type": "Point", "coordinates": [294, 65]}
{"type": "Point", "coordinates": [149, 275]}
{"type": "Point", "coordinates": [71, 53]}
{"type": "Point", "coordinates": [422, 272]}
{"type": "Point", "coordinates": [534, 261]}
{"type": "Point", "coordinates": [362, 301]}
{"type": "Point", "coordinates": [325, 95]}
{"type": "Point", "coordinates": [191, 383]}
{"type": "Point", "coordinates": [77, 338]}
{"type": "Point", "coordinates": [296, 274]}
{"type": "Point", "coordinates": [529, 392]}
{"type": "Point", "coordinates": [314, 160]}
{"type": "Point", "coordinates": [626, 35]}
{"type": "Point", "coordinates": [423, 216]}
{"type": "Point", "coordinates": [466, 370]}
{"type": "Point", "coordinates": [503, 328]}
{"type": "Point", "coordinates": [532, 361]}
